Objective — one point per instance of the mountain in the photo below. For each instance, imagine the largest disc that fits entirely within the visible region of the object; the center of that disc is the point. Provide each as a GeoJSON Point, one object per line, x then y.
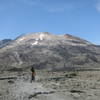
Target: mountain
{"type": "Point", "coordinates": [47, 51]}
{"type": "Point", "coordinates": [4, 42]}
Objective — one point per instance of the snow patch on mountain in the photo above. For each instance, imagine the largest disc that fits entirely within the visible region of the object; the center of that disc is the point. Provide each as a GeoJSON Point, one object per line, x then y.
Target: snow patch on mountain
{"type": "Point", "coordinates": [35, 43]}
{"type": "Point", "coordinates": [42, 36]}
{"type": "Point", "coordinates": [20, 40]}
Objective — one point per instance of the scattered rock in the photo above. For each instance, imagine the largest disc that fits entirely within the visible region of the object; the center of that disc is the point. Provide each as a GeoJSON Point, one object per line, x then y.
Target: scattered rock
{"type": "Point", "coordinates": [71, 74]}
{"type": "Point", "coordinates": [11, 82]}
{"type": "Point", "coordinates": [75, 95]}
{"type": "Point", "coordinates": [6, 78]}
{"type": "Point", "coordinates": [76, 91]}
{"type": "Point", "coordinates": [38, 93]}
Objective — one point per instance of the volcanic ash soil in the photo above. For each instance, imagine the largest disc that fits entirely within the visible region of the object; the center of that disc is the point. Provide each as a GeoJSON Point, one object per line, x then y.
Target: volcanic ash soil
{"type": "Point", "coordinates": [61, 85]}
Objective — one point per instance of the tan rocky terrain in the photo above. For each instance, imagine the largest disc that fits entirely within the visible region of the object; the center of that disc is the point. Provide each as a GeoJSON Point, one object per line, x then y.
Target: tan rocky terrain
{"type": "Point", "coordinates": [61, 85]}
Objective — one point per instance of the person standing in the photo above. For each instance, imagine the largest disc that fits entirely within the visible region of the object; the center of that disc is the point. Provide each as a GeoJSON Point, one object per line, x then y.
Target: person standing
{"type": "Point", "coordinates": [33, 74]}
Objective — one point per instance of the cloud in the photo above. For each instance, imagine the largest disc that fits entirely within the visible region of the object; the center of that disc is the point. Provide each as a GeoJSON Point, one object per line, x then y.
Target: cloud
{"type": "Point", "coordinates": [50, 5]}
{"type": "Point", "coordinates": [54, 5]}
{"type": "Point", "coordinates": [97, 6]}
{"type": "Point", "coordinates": [59, 7]}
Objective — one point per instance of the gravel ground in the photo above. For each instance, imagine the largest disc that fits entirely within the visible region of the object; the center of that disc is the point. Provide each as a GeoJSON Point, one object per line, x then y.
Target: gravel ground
{"type": "Point", "coordinates": [50, 85]}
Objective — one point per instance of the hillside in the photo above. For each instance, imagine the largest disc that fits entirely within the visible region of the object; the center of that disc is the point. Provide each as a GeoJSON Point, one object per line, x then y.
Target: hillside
{"type": "Point", "coordinates": [48, 51]}
{"type": "Point", "coordinates": [4, 42]}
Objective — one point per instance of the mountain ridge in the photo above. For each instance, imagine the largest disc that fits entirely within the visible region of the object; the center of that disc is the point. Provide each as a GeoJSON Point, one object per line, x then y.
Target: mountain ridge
{"type": "Point", "coordinates": [4, 42]}
{"type": "Point", "coordinates": [49, 51]}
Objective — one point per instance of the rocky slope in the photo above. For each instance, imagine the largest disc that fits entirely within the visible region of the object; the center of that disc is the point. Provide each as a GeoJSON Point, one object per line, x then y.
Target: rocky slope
{"type": "Point", "coordinates": [4, 42]}
{"type": "Point", "coordinates": [49, 51]}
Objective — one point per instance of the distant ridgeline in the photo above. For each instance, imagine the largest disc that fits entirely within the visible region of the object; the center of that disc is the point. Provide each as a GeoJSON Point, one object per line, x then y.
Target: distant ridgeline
{"type": "Point", "coordinates": [4, 42]}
